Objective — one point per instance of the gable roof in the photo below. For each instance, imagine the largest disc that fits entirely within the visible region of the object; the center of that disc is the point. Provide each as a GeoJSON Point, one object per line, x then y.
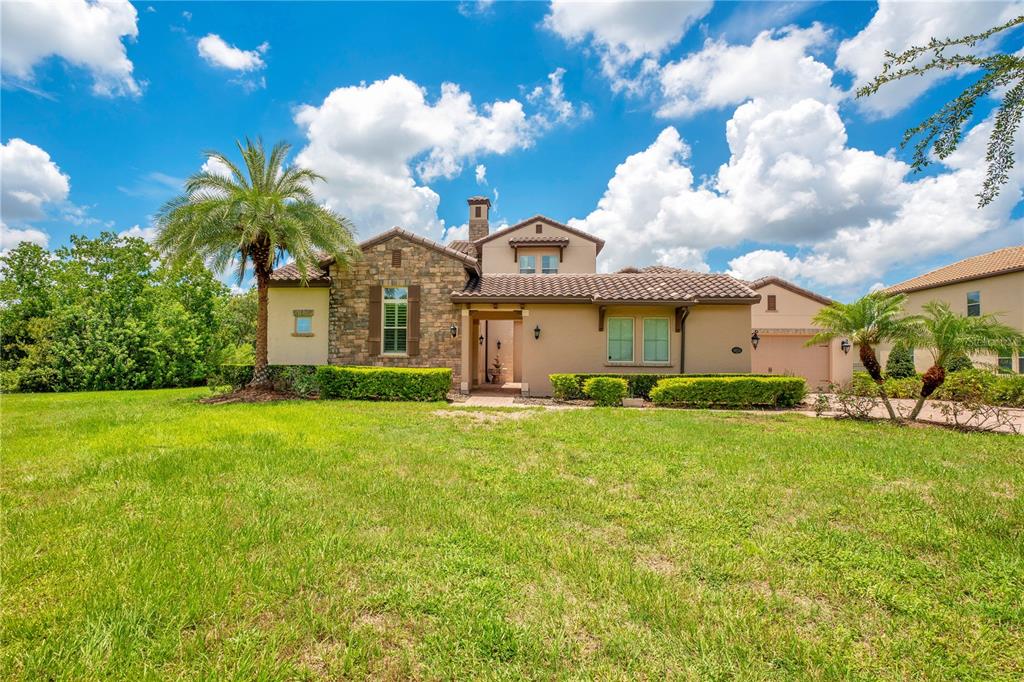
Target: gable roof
{"type": "Point", "coordinates": [786, 284]}
{"type": "Point", "coordinates": [464, 245]}
{"type": "Point", "coordinates": [290, 273]}
{"type": "Point", "coordinates": [608, 288]}
{"type": "Point", "coordinates": [541, 219]}
{"type": "Point", "coordinates": [1001, 262]}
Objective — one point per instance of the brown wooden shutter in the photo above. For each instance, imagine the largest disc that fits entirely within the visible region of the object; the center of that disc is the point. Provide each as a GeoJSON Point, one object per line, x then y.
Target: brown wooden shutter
{"type": "Point", "coordinates": [375, 322]}
{"type": "Point", "coordinates": [413, 335]}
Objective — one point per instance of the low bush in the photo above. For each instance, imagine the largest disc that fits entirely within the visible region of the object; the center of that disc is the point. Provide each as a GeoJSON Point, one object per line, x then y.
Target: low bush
{"type": "Point", "coordinates": [570, 386]}
{"type": "Point", "coordinates": [966, 385]}
{"type": "Point", "coordinates": [300, 379]}
{"type": "Point", "coordinates": [726, 391]}
{"type": "Point", "coordinates": [1009, 390]}
{"type": "Point", "coordinates": [900, 364]}
{"type": "Point", "coordinates": [606, 391]}
{"type": "Point", "coordinates": [384, 383]}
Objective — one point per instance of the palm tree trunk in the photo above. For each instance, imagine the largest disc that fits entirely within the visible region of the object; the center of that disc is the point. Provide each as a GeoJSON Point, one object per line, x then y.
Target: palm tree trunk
{"type": "Point", "coordinates": [931, 380]}
{"type": "Point", "coordinates": [874, 368]}
{"type": "Point", "coordinates": [261, 373]}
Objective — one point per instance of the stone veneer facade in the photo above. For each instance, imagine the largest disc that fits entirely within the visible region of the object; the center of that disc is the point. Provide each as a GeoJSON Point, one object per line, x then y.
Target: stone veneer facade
{"type": "Point", "coordinates": [349, 317]}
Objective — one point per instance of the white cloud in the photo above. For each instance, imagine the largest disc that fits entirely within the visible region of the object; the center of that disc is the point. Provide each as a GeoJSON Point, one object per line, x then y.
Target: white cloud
{"type": "Point", "coordinates": [764, 262]}
{"type": "Point", "coordinates": [481, 174]}
{"type": "Point", "coordinates": [897, 26]}
{"type": "Point", "coordinates": [86, 35]}
{"type": "Point", "coordinates": [624, 33]}
{"type": "Point", "coordinates": [146, 233]}
{"type": "Point", "coordinates": [216, 167]}
{"type": "Point", "coordinates": [31, 181]}
{"type": "Point", "coordinates": [775, 67]}
{"type": "Point", "coordinates": [468, 8]}
{"type": "Point", "coordinates": [454, 232]}
{"type": "Point", "coordinates": [10, 237]}
{"type": "Point", "coordinates": [377, 143]}
{"type": "Point", "coordinates": [216, 52]}
{"type": "Point", "coordinates": [683, 257]}
{"type": "Point", "coordinates": [554, 108]}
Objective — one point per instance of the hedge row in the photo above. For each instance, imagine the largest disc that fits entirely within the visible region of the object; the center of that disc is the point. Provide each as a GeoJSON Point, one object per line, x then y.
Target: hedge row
{"type": "Point", "coordinates": [384, 383]}
{"type": "Point", "coordinates": [1006, 390]}
{"type": "Point", "coordinates": [299, 379]}
{"type": "Point", "coordinates": [570, 386]}
{"type": "Point", "coordinates": [729, 391]}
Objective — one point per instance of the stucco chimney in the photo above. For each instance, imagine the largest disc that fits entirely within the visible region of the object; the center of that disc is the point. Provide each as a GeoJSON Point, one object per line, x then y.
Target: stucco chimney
{"type": "Point", "coordinates": [479, 207]}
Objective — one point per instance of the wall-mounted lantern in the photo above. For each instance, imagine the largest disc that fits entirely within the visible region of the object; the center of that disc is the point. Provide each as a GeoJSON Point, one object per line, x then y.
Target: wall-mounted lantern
{"type": "Point", "coordinates": [481, 339]}
{"type": "Point", "coordinates": [498, 344]}
{"type": "Point", "coordinates": [454, 330]}
{"type": "Point", "coordinates": [755, 339]}
{"type": "Point", "coordinates": [845, 346]}
{"type": "Point", "coordinates": [536, 332]}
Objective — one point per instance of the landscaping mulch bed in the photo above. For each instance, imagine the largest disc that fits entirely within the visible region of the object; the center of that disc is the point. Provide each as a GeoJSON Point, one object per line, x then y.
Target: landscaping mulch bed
{"type": "Point", "coordinates": [252, 395]}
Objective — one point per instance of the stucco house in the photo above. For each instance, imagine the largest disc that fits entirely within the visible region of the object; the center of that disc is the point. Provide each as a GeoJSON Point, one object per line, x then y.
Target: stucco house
{"type": "Point", "coordinates": [507, 308]}
{"type": "Point", "coordinates": [783, 323]}
{"type": "Point", "coordinates": [992, 282]}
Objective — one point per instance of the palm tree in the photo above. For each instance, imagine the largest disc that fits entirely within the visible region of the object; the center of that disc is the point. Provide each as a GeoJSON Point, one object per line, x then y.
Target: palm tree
{"type": "Point", "coordinates": [231, 219]}
{"type": "Point", "coordinates": [949, 335]}
{"type": "Point", "coordinates": [873, 319]}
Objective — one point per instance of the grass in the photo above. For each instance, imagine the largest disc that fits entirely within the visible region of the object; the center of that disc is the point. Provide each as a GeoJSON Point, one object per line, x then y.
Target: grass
{"type": "Point", "coordinates": [148, 536]}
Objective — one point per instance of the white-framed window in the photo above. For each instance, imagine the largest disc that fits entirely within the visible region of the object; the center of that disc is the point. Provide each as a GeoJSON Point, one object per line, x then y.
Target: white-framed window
{"type": "Point", "coordinates": [1005, 363]}
{"type": "Point", "coordinates": [303, 323]}
{"type": "Point", "coordinates": [656, 336]}
{"type": "Point", "coordinates": [973, 303]}
{"type": "Point", "coordinates": [527, 265]}
{"type": "Point", "coordinates": [549, 265]}
{"type": "Point", "coordinates": [396, 320]}
{"type": "Point", "coordinates": [620, 339]}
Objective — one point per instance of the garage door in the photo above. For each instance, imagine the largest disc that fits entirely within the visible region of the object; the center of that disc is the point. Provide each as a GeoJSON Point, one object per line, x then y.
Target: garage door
{"type": "Point", "coordinates": [789, 355]}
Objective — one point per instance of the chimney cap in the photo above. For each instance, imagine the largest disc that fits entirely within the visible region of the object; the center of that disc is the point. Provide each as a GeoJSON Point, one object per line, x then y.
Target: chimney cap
{"type": "Point", "coordinates": [478, 200]}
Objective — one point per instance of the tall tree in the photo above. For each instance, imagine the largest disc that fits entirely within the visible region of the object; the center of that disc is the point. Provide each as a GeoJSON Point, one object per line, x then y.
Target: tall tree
{"type": "Point", "coordinates": [871, 320]}
{"type": "Point", "coordinates": [255, 216]}
{"type": "Point", "coordinates": [949, 336]}
{"type": "Point", "coordinates": [941, 133]}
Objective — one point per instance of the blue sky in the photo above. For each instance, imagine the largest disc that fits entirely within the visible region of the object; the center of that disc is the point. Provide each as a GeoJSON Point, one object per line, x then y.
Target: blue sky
{"type": "Point", "coordinates": [720, 137]}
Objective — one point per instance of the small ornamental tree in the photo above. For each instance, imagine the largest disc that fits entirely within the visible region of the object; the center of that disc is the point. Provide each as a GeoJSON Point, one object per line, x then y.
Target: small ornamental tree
{"type": "Point", "coordinates": [900, 364]}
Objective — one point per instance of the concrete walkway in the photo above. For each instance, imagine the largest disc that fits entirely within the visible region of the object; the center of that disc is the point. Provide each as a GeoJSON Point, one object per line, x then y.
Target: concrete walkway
{"type": "Point", "coordinates": [490, 400]}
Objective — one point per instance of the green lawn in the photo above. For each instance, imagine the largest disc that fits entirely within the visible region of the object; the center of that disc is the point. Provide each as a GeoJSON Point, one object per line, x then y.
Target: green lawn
{"type": "Point", "coordinates": [148, 536]}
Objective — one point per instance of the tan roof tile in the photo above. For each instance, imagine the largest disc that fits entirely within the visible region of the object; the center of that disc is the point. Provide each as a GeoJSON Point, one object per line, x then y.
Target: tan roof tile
{"type": "Point", "coordinates": [1010, 259]}
{"type": "Point", "coordinates": [607, 288]}
{"type": "Point", "coordinates": [786, 284]}
{"type": "Point", "coordinates": [542, 219]}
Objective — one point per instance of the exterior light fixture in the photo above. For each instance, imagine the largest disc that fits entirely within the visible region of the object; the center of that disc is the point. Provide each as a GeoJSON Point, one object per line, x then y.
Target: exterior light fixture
{"type": "Point", "coordinates": [755, 339]}
{"type": "Point", "coordinates": [536, 332]}
{"type": "Point", "coordinates": [845, 346]}
{"type": "Point", "coordinates": [454, 330]}
{"type": "Point", "coordinates": [498, 344]}
{"type": "Point", "coordinates": [481, 339]}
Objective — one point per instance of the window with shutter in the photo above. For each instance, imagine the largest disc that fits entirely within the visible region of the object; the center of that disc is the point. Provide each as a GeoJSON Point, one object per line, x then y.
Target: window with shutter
{"type": "Point", "coordinates": [396, 320]}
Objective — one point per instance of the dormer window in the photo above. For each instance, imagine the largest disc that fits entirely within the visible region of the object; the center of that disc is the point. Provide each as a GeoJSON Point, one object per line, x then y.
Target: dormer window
{"type": "Point", "coordinates": [549, 265]}
{"type": "Point", "coordinates": [527, 265]}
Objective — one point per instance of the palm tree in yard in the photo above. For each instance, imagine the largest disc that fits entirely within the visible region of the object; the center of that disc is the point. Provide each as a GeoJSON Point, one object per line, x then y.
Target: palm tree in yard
{"type": "Point", "coordinates": [874, 319]}
{"type": "Point", "coordinates": [253, 214]}
{"type": "Point", "coordinates": [949, 335]}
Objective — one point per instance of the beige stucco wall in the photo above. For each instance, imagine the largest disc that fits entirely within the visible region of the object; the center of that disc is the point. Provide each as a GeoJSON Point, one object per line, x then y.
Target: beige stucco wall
{"type": "Point", "coordinates": [283, 348]}
{"type": "Point", "coordinates": [571, 342]}
{"type": "Point", "coordinates": [794, 314]}
{"type": "Point", "coordinates": [579, 256]}
{"type": "Point", "coordinates": [1002, 295]}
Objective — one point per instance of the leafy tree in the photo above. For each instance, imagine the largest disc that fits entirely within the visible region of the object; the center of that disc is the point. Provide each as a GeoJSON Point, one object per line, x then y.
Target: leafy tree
{"type": "Point", "coordinates": [900, 364]}
{"type": "Point", "coordinates": [255, 216]}
{"type": "Point", "coordinates": [237, 315]}
{"type": "Point", "coordinates": [949, 335]}
{"type": "Point", "coordinates": [871, 320]}
{"type": "Point", "coordinates": [942, 132]}
{"type": "Point", "coordinates": [26, 283]}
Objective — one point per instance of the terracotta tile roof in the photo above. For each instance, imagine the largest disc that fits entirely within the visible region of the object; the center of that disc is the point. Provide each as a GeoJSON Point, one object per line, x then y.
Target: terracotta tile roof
{"type": "Point", "coordinates": [1010, 259]}
{"type": "Point", "coordinates": [289, 273]}
{"type": "Point", "coordinates": [607, 288]}
{"type": "Point", "coordinates": [786, 284]}
{"type": "Point", "coordinates": [464, 245]}
{"type": "Point", "coordinates": [661, 270]}
{"type": "Point", "coordinates": [541, 219]}
{"type": "Point", "coordinates": [538, 240]}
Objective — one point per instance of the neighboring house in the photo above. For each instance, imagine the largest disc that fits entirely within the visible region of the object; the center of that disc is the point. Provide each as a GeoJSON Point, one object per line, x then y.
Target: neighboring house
{"type": "Point", "coordinates": [990, 283]}
{"type": "Point", "coordinates": [782, 320]}
{"type": "Point", "coordinates": [527, 296]}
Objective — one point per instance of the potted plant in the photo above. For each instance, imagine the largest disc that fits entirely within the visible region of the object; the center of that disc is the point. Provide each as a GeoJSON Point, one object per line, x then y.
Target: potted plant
{"type": "Point", "coordinates": [497, 369]}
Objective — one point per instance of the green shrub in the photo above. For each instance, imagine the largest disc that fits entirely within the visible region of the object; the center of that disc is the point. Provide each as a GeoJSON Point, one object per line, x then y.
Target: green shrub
{"type": "Point", "coordinates": [299, 379]}
{"type": "Point", "coordinates": [570, 386]}
{"type": "Point", "coordinates": [725, 391]}
{"type": "Point", "coordinates": [959, 363]}
{"type": "Point", "coordinates": [606, 391]}
{"type": "Point", "coordinates": [900, 364]}
{"type": "Point", "coordinates": [10, 381]}
{"type": "Point", "coordinates": [862, 384]}
{"type": "Point", "coordinates": [966, 385]}
{"type": "Point", "coordinates": [1008, 390]}
{"type": "Point", "coordinates": [904, 388]}
{"type": "Point", "coordinates": [384, 383]}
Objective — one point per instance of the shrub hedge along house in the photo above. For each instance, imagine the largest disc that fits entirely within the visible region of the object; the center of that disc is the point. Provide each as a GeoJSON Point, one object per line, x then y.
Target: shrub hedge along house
{"type": "Point", "coordinates": [508, 308]}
